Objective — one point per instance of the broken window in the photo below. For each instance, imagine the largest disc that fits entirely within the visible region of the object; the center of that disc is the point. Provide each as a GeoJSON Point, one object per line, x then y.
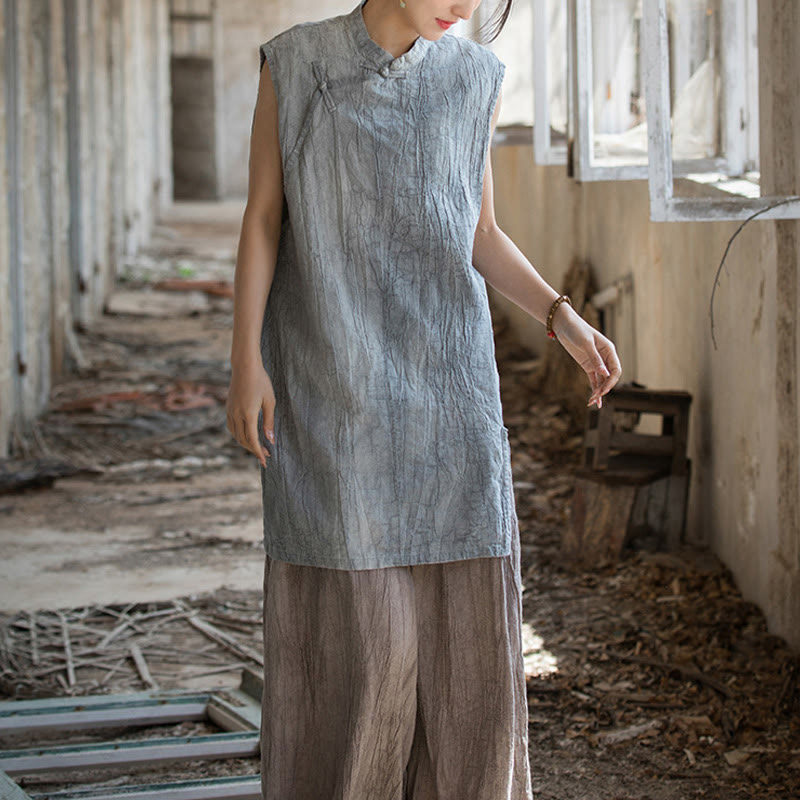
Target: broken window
{"type": "Point", "coordinates": [609, 126]}
{"type": "Point", "coordinates": [513, 46]}
{"type": "Point", "coordinates": [550, 78]}
{"type": "Point", "coordinates": [689, 66]}
{"type": "Point", "coordinates": [737, 166]}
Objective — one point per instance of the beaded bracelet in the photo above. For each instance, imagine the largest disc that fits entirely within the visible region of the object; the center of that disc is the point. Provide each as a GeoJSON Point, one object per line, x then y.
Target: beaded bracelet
{"type": "Point", "coordinates": [556, 303]}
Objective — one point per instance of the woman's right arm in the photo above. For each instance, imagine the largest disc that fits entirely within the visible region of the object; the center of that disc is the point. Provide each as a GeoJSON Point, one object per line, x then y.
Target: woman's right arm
{"type": "Point", "coordinates": [250, 389]}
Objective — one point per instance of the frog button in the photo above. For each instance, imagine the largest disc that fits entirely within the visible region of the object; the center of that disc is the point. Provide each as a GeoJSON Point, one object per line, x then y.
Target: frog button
{"type": "Point", "coordinates": [384, 71]}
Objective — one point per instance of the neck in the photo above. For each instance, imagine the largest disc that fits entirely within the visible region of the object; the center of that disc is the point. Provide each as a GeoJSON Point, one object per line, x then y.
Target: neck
{"type": "Point", "coordinates": [387, 26]}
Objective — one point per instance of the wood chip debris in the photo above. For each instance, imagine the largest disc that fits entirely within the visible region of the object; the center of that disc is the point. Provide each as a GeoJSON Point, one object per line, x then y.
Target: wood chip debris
{"type": "Point", "coordinates": [126, 647]}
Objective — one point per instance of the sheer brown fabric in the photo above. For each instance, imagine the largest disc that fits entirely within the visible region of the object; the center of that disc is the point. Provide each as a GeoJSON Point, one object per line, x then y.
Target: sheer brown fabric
{"type": "Point", "coordinates": [398, 683]}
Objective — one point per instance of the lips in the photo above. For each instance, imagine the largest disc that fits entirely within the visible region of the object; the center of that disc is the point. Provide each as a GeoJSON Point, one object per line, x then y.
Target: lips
{"type": "Point", "coordinates": [443, 23]}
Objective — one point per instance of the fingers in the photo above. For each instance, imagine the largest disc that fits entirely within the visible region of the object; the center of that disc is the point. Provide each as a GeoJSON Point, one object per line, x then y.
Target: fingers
{"type": "Point", "coordinates": [606, 372]}
{"type": "Point", "coordinates": [252, 442]}
{"type": "Point", "coordinates": [598, 378]}
{"type": "Point", "coordinates": [269, 422]}
{"type": "Point", "coordinates": [244, 429]}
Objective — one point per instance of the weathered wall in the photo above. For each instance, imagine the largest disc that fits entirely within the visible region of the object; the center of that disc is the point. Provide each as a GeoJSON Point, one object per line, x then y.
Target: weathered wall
{"type": "Point", "coordinates": [85, 167]}
{"type": "Point", "coordinates": [744, 425]}
{"type": "Point", "coordinates": [6, 328]}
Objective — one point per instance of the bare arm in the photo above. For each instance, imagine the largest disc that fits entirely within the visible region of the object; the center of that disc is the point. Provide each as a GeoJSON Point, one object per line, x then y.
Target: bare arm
{"type": "Point", "coordinates": [505, 267]}
{"type": "Point", "coordinates": [251, 388]}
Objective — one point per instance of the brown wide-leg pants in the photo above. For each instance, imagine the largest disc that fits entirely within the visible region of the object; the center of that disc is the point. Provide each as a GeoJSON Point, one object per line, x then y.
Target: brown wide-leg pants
{"type": "Point", "coordinates": [401, 683]}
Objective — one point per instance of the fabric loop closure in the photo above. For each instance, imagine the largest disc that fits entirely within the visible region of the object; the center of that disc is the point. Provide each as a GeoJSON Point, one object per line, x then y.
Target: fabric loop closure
{"type": "Point", "coordinates": [385, 71]}
{"type": "Point", "coordinates": [322, 85]}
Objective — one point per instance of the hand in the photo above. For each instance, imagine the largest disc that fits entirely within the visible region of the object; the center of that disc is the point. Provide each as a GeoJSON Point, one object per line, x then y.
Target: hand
{"type": "Point", "coordinates": [595, 353]}
{"type": "Point", "coordinates": [251, 391]}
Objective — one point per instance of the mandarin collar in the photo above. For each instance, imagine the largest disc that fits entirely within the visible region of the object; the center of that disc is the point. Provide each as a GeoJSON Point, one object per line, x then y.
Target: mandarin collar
{"type": "Point", "coordinates": [381, 59]}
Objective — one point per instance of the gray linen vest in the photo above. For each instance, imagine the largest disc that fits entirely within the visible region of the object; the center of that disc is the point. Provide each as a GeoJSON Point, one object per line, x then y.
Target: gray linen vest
{"type": "Point", "coordinates": [390, 445]}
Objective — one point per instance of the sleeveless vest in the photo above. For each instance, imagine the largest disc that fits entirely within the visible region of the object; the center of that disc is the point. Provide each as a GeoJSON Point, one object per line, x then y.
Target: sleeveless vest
{"type": "Point", "coordinates": [390, 444]}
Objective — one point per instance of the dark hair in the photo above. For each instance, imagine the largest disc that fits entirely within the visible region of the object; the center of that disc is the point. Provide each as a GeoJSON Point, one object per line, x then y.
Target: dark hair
{"type": "Point", "coordinates": [497, 19]}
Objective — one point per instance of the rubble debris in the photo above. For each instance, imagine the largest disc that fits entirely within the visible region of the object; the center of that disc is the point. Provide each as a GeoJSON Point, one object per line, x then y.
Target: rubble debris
{"type": "Point", "coordinates": [35, 473]}
{"type": "Point", "coordinates": [217, 288]}
{"type": "Point", "coordinates": [650, 677]}
{"type": "Point", "coordinates": [659, 675]}
{"type": "Point", "coordinates": [155, 303]}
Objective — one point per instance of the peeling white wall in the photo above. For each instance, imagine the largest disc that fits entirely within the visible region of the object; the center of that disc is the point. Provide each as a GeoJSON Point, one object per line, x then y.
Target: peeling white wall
{"type": "Point", "coordinates": [744, 437]}
{"type": "Point", "coordinates": [84, 168]}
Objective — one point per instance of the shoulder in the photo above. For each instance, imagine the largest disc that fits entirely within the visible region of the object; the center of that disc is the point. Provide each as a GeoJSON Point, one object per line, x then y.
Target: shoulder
{"type": "Point", "coordinates": [470, 54]}
{"type": "Point", "coordinates": [301, 41]}
{"type": "Point", "coordinates": [473, 70]}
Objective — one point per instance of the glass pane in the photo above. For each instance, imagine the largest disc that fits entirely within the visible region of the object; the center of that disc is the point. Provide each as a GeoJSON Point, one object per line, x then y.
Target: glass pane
{"type": "Point", "coordinates": [557, 67]}
{"type": "Point", "coordinates": [694, 30]}
{"type": "Point", "coordinates": [620, 128]}
{"type": "Point", "coordinates": [514, 46]}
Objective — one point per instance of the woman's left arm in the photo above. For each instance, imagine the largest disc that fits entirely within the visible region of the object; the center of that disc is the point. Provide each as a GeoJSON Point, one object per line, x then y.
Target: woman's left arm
{"type": "Point", "coordinates": [503, 266]}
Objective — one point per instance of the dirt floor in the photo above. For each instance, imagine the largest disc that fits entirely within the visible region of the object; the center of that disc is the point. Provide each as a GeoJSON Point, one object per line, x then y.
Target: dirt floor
{"type": "Point", "coordinates": [649, 678]}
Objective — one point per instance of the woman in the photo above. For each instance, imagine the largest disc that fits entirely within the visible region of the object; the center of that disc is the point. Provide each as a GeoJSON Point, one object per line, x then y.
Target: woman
{"type": "Point", "coordinates": [364, 381]}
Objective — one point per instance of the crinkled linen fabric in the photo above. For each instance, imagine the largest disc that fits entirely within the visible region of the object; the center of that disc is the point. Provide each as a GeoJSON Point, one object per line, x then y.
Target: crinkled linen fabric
{"type": "Point", "coordinates": [390, 445]}
{"type": "Point", "coordinates": [403, 683]}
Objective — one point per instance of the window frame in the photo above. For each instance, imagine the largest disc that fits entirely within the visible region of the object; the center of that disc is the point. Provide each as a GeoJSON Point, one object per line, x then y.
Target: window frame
{"type": "Point", "coordinates": [664, 206]}
{"type": "Point", "coordinates": [585, 168]}
{"type": "Point", "coordinates": [544, 151]}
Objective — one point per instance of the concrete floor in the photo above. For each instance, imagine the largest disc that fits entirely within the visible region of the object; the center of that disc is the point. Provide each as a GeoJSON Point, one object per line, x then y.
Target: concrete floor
{"type": "Point", "coordinates": [150, 528]}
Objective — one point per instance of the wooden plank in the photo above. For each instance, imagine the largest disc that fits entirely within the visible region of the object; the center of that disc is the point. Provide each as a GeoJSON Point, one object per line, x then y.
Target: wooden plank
{"type": "Point", "coordinates": [234, 787]}
{"type": "Point", "coordinates": [629, 469]}
{"type": "Point", "coordinates": [584, 127]}
{"type": "Point", "coordinates": [733, 93]}
{"type": "Point", "coordinates": [67, 649]}
{"type": "Point", "coordinates": [676, 507]}
{"type": "Point", "coordinates": [659, 136]}
{"type": "Point", "coordinates": [681, 439]}
{"type": "Point", "coordinates": [141, 666]}
{"type": "Point", "coordinates": [225, 639]}
{"type": "Point", "coordinates": [716, 209]}
{"type": "Point", "coordinates": [672, 399]}
{"type": "Point", "coordinates": [54, 714]}
{"type": "Point", "coordinates": [590, 437]}
{"type": "Point", "coordinates": [9, 790]}
{"type": "Point", "coordinates": [96, 701]}
{"type": "Point", "coordinates": [129, 752]}
{"type": "Point", "coordinates": [252, 683]}
{"type": "Point", "coordinates": [605, 424]}
{"type": "Point", "coordinates": [599, 521]}
{"type": "Point", "coordinates": [645, 405]}
{"type": "Point", "coordinates": [643, 443]}
{"type": "Point", "coordinates": [235, 710]}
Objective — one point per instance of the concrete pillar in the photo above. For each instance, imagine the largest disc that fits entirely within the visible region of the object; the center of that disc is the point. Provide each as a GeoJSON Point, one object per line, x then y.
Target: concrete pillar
{"type": "Point", "coordinates": [162, 103]}
{"type": "Point", "coordinates": [82, 156]}
{"type": "Point", "coordinates": [6, 330]}
{"type": "Point", "coordinates": [59, 264]}
{"type": "Point", "coordinates": [97, 126]}
{"type": "Point", "coordinates": [34, 221]}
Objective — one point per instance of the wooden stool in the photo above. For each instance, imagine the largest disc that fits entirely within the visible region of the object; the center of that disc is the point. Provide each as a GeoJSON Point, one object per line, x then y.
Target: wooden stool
{"type": "Point", "coordinates": [631, 486]}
